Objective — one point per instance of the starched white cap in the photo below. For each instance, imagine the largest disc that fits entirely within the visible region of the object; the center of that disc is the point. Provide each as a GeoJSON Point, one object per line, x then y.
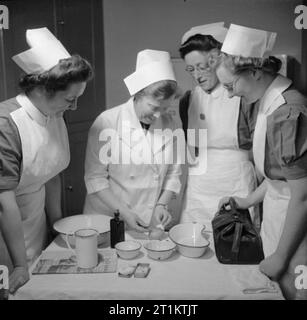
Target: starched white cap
{"type": "Point", "coordinates": [46, 51]}
{"type": "Point", "coordinates": [151, 66]}
{"type": "Point", "coordinates": [216, 30]}
{"type": "Point", "coordinates": [248, 42]}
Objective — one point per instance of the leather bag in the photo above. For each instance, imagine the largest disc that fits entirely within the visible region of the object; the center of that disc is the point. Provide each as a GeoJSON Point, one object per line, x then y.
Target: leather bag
{"type": "Point", "coordinates": [236, 239]}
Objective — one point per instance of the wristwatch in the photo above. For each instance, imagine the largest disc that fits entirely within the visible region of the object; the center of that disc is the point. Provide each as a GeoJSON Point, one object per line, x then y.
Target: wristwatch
{"type": "Point", "coordinates": [165, 206]}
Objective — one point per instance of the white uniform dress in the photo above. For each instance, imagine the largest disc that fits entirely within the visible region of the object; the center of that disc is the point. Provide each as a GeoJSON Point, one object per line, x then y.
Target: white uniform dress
{"type": "Point", "coordinates": [229, 172]}
{"type": "Point", "coordinates": [45, 153]}
{"type": "Point", "coordinates": [138, 185]}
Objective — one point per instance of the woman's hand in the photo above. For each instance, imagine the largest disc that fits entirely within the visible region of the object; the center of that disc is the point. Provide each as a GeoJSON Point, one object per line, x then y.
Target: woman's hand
{"type": "Point", "coordinates": [18, 278]}
{"type": "Point", "coordinates": [134, 222]}
{"type": "Point", "coordinates": [273, 266]}
{"type": "Point", "coordinates": [161, 215]}
{"type": "Point", "coordinates": [242, 203]}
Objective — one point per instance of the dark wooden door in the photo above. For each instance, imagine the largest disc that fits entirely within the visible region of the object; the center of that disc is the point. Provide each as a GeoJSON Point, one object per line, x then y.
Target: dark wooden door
{"type": "Point", "coordinates": [79, 26]}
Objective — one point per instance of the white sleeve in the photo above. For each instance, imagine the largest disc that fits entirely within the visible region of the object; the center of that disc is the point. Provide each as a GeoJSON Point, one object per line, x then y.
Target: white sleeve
{"type": "Point", "coordinates": [96, 168]}
{"type": "Point", "coordinates": [172, 179]}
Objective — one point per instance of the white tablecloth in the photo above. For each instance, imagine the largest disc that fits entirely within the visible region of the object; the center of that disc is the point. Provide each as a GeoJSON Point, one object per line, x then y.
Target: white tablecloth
{"type": "Point", "coordinates": [177, 278]}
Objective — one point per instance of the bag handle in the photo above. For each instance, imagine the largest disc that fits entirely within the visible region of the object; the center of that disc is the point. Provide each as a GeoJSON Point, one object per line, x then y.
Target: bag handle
{"type": "Point", "coordinates": [236, 241]}
{"type": "Point", "coordinates": [232, 203]}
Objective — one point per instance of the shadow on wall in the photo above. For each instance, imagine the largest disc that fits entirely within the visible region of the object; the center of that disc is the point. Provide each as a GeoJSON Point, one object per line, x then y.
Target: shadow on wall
{"type": "Point", "coordinates": [294, 68]}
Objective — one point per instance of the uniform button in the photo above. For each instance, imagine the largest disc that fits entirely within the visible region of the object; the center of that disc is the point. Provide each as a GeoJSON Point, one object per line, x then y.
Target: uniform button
{"type": "Point", "coordinates": [131, 176]}
{"type": "Point", "coordinates": [150, 207]}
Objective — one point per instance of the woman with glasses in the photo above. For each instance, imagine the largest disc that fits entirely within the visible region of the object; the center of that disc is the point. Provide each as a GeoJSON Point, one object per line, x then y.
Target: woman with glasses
{"type": "Point", "coordinates": [279, 148]}
{"type": "Point", "coordinates": [224, 167]}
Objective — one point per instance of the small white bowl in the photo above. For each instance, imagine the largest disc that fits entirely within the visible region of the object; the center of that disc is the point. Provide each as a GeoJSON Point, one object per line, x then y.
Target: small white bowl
{"type": "Point", "coordinates": [160, 249]}
{"type": "Point", "coordinates": [189, 239]}
{"type": "Point", "coordinates": [128, 249]}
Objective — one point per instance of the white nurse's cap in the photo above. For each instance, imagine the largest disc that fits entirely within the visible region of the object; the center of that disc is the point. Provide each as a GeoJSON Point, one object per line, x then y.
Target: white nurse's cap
{"type": "Point", "coordinates": [46, 51]}
{"type": "Point", "coordinates": [216, 30]}
{"type": "Point", "coordinates": [248, 42]}
{"type": "Point", "coordinates": [151, 66]}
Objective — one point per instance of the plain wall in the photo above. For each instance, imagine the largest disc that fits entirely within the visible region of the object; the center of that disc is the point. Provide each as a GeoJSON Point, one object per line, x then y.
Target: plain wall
{"type": "Point", "coordinates": [134, 25]}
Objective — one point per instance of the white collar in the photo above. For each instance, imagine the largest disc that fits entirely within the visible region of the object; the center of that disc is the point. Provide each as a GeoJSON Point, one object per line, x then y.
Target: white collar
{"type": "Point", "coordinates": [273, 92]}
{"type": "Point", "coordinates": [215, 93]}
{"type": "Point", "coordinates": [32, 111]}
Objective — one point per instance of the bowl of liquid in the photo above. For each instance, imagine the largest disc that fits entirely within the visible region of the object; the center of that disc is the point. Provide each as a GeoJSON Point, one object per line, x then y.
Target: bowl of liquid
{"type": "Point", "coordinates": [189, 239]}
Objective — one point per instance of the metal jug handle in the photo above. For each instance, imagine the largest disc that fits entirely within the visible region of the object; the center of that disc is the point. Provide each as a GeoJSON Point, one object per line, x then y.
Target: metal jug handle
{"type": "Point", "coordinates": [67, 242]}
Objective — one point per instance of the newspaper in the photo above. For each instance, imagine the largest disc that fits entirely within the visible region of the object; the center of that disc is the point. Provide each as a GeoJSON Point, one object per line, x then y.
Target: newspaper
{"type": "Point", "coordinates": [65, 262]}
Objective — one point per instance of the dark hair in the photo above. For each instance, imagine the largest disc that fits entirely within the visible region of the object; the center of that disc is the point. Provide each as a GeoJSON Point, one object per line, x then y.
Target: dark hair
{"type": "Point", "coordinates": [199, 42]}
{"type": "Point", "coordinates": [238, 64]}
{"type": "Point", "coordinates": [71, 70]}
{"type": "Point", "coordinates": [163, 89]}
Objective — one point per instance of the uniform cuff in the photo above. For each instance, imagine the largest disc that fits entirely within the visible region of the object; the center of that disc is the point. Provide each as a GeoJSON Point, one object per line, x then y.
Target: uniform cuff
{"type": "Point", "coordinates": [7, 184]}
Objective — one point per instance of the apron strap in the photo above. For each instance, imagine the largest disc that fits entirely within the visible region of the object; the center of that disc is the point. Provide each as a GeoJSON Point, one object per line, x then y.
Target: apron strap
{"type": "Point", "coordinates": [271, 101]}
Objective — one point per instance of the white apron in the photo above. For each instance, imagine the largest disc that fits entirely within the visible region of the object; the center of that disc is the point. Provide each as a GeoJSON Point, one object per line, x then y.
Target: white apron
{"type": "Point", "coordinates": [276, 200]}
{"type": "Point", "coordinates": [229, 171]}
{"type": "Point", "coordinates": [45, 152]}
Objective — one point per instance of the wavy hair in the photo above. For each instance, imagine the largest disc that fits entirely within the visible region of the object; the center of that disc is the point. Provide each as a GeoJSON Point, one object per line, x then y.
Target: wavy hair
{"type": "Point", "coordinates": [68, 71]}
{"type": "Point", "coordinates": [163, 90]}
{"type": "Point", "coordinates": [238, 64]}
{"type": "Point", "coordinates": [199, 42]}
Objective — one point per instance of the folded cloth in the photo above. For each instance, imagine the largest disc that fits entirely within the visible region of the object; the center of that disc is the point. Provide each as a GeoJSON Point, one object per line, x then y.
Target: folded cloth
{"type": "Point", "coordinates": [251, 280]}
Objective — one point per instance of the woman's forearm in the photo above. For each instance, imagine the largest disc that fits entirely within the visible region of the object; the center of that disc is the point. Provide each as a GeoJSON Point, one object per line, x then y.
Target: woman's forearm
{"type": "Point", "coordinates": [295, 226]}
{"type": "Point", "coordinates": [165, 197]}
{"type": "Point", "coordinates": [257, 196]}
{"type": "Point", "coordinates": [108, 198]}
{"type": "Point", "coordinates": [53, 199]}
{"type": "Point", "coordinates": [11, 228]}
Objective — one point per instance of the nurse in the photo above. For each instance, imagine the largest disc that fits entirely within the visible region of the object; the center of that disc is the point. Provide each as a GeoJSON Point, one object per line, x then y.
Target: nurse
{"type": "Point", "coordinates": [34, 146]}
{"type": "Point", "coordinates": [129, 165]}
{"type": "Point", "coordinates": [224, 168]}
{"type": "Point", "coordinates": [279, 147]}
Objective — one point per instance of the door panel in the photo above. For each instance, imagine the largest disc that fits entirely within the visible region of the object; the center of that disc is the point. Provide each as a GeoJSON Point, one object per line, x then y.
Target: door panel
{"type": "Point", "coordinates": [78, 29]}
{"type": "Point", "coordinates": [73, 176]}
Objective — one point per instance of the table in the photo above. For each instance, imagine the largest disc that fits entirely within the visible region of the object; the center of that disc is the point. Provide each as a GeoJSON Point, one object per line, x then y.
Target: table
{"type": "Point", "coordinates": [178, 278]}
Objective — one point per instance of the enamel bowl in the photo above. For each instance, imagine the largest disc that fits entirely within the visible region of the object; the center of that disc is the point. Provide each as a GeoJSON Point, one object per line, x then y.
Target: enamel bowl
{"type": "Point", "coordinates": [128, 249]}
{"type": "Point", "coordinates": [160, 249]}
{"type": "Point", "coordinates": [189, 239]}
{"type": "Point", "coordinates": [69, 225]}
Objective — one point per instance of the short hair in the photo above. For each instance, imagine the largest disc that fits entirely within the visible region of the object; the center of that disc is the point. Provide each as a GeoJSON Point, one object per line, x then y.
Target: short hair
{"type": "Point", "coordinates": [239, 64]}
{"type": "Point", "coordinates": [199, 42]}
{"type": "Point", "coordinates": [163, 90]}
{"type": "Point", "coordinates": [68, 71]}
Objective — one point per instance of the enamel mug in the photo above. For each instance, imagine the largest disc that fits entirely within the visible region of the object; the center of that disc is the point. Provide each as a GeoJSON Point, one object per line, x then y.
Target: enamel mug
{"type": "Point", "coordinates": [86, 248]}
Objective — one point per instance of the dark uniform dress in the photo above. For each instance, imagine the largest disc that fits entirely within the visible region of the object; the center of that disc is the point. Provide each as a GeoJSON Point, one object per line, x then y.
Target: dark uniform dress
{"type": "Point", "coordinates": [34, 149]}
{"type": "Point", "coordinates": [10, 160]}
{"type": "Point", "coordinates": [286, 142]}
{"type": "Point", "coordinates": [285, 158]}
